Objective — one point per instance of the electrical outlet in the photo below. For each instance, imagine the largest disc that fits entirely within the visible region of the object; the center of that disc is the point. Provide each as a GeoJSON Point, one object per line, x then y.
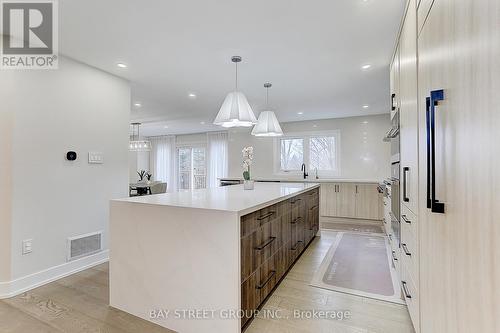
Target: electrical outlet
{"type": "Point", "coordinates": [27, 246]}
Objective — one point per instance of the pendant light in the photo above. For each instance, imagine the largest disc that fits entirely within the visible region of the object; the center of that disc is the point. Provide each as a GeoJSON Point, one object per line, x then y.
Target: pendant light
{"type": "Point", "coordinates": [235, 110]}
{"type": "Point", "coordinates": [136, 144]}
{"type": "Point", "coordinates": [267, 124]}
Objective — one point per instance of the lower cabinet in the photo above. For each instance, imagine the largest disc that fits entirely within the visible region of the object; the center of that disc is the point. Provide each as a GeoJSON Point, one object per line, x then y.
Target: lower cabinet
{"type": "Point", "coordinates": [351, 200]}
{"type": "Point", "coordinates": [271, 240]}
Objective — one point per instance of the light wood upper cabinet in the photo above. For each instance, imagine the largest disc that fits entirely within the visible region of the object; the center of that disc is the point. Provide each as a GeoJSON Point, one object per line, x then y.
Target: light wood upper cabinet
{"type": "Point", "coordinates": [368, 202]}
{"type": "Point", "coordinates": [408, 110]}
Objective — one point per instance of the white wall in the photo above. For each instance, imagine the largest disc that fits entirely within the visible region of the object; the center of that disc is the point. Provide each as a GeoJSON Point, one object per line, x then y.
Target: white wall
{"type": "Point", "coordinates": [6, 119]}
{"type": "Point", "coordinates": [75, 108]}
{"type": "Point", "coordinates": [358, 160]}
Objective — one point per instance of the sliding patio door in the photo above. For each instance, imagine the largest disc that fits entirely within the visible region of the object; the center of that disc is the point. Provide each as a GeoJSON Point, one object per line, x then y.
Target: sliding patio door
{"type": "Point", "coordinates": [192, 167]}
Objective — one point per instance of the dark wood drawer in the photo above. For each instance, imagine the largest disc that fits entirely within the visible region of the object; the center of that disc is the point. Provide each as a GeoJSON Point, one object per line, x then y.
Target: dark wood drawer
{"type": "Point", "coordinates": [259, 246]}
{"type": "Point", "coordinates": [267, 277]}
{"type": "Point", "coordinates": [252, 221]}
{"type": "Point", "coordinates": [250, 297]}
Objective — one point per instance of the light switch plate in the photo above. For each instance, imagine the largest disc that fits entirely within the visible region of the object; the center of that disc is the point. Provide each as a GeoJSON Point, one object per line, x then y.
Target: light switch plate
{"type": "Point", "coordinates": [96, 157]}
{"type": "Point", "coordinates": [27, 246]}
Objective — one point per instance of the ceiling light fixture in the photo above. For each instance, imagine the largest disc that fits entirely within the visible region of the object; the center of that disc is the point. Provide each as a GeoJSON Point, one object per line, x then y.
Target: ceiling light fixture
{"type": "Point", "coordinates": [136, 144]}
{"type": "Point", "coordinates": [202, 122]}
{"type": "Point", "coordinates": [121, 65]}
{"type": "Point", "coordinates": [300, 113]}
{"type": "Point", "coordinates": [268, 124]}
{"type": "Point", "coordinates": [137, 105]}
{"type": "Point", "coordinates": [366, 106]}
{"type": "Point", "coordinates": [191, 95]}
{"type": "Point", "coordinates": [365, 67]}
{"type": "Point", "coordinates": [235, 110]}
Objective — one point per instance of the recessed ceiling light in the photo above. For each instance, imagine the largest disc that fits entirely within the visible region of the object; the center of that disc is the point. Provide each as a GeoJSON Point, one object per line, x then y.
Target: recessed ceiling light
{"type": "Point", "coordinates": [366, 106]}
{"type": "Point", "coordinates": [300, 112]}
{"type": "Point", "coordinates": [191, 95]}
{"type": "Point", "coordinates": [165, 126]}
{"type": "Point", "coordinates": [315, 125]}
{"type": "Point", "coordinates": [365, 122]}
{"type": "Point", "coordinates": [121, 65]}
{"type": "Point", "coordinates": [202, 122]}
{"type": "Point", "coordinates": [366, 66]}
{"type": "Point", "coordinates": [137, 104]}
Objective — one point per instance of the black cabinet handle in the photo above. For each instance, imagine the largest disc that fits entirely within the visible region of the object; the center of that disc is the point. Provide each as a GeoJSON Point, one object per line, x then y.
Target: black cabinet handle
{"type": "Point", "coordinates": [392, 102]}
{"type": "Point", "coordinates": [405, 289]}
{"type": "Point", "coordinates": [431, 103]}
{"type": "Point", "coordinates": [408, 253]}
{"type": "Point", "coordinates": [260, 286]}
{"type": "Point", "coordinates": [405, 184]}
{"type": "Point", "coordinates": [313, 207]}
{"type": "Point", "coordinates": [265, 244]}
{"type": "Point", "coordinates": [265, 216]}
{"type": "Point", "coordinates": [296, 245]}
{"type": "Point", "coordinates": [405, 219]}
{"type": "Point", "coordinates": [394, 256]}
{"type": "Point", "coordinates": [296, 200]}
{"type": "Point", "coordinates": [296, 220]}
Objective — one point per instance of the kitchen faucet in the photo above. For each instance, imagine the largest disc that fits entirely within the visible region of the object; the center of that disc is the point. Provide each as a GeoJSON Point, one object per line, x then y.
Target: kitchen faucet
{"type": "Point", "coordinates": [303, 168]}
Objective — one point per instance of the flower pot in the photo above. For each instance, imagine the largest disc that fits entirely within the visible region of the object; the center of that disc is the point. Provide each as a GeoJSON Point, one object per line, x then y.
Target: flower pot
{"type": "Point", "coordinates": [248, 184]}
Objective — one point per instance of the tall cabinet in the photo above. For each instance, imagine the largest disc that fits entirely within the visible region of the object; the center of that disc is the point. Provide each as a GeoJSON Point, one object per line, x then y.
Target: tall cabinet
{"type": "Point", "coordinates": [404, 94]}
{"type": "Point", "coordinates": [449, 81]}
{"type": "Point", "coordinates": [459, 159]}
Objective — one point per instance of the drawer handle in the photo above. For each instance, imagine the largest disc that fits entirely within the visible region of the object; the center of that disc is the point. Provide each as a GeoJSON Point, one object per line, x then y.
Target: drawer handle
{"type": "Point", "coordinates": [296, 245]}
{"type": "Point", "coordinates": [390, 237]}
{"type": "Point", "coordinates": [313, 207]}
{"type": "Point", "coordinates": [394, 256]}
{"type": "Point", "coordinates": [405, 289]}
{"type": "Point", "coordinates": [265, 216]}
{"type": "Point", "coordinates": [296, 200]}
{"type": "Point", "coordinates": [263, 246]}
{"type": "Point", "coordinates": [273, 273]}
{"type": "Point", "coordinates": [408, 253]}
{"type": "Point", "coordinates": [405, 218]}
{"type": "Point", "coordinates": [296, 220]}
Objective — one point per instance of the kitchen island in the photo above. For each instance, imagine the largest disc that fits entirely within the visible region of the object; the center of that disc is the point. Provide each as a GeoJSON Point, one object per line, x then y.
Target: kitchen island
{"type": "Point", "coordinates": [203, 260]}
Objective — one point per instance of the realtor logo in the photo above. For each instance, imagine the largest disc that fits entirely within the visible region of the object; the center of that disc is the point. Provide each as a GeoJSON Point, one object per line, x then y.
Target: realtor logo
{"type": "Point", "coordinates": [29, 34]}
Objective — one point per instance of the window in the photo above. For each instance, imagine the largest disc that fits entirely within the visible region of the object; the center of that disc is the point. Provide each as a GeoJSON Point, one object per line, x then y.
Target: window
{"type": "Point", "coordinates": [318, 151]}
{"type": "Point", "coordinates": [322, 153]}
{"type": "Point", "coordinates": [292, 154]}
{"type": "Point", "coordinates": [192, 168]}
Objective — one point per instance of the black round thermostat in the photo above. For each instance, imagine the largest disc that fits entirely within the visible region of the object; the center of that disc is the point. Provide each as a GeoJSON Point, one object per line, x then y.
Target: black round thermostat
{"type": "Point", "coordinates": [71, 155]}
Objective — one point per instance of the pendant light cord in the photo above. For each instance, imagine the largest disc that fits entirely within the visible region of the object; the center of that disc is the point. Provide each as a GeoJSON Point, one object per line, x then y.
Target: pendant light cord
{"type": "Point", "coordinates": [236, 76]}
{"type": "Point", "coordinates": [267, 97]}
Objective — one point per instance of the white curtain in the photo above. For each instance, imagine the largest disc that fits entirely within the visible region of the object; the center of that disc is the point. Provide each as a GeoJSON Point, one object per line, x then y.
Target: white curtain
{"type": "Point", "coordinates": [217, 143]}
{"type": "Point", "coordinates": [162, 160]}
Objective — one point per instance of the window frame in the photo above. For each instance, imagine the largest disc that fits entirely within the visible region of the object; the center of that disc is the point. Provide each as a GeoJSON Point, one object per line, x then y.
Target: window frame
{"type": "Point", "coordinates": [306, 136]}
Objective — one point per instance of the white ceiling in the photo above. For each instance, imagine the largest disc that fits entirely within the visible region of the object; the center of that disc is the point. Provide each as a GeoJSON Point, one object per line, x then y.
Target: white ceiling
{"type": "Point", "coordinates": [312, 52]}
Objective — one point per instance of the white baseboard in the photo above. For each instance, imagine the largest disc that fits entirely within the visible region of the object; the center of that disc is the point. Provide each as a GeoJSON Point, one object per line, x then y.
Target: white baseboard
{"type": "Point", "coordinates": [18, 286]}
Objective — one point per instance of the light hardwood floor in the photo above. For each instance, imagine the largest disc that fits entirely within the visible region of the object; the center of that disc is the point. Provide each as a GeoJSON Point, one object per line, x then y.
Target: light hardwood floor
{"type": "Point", "coordinates": [78, 303]}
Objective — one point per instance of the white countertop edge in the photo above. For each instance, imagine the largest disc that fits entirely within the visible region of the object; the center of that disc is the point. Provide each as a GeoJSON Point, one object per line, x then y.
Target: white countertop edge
{"type": "Point", "coordinates": [320, 180]}
{"type": "Point", "coordinates": [272, 202]}
{"type": "Point", "coordinates": [239, 213]}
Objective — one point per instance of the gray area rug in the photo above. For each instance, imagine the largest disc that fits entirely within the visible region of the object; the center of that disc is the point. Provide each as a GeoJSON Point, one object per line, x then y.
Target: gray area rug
{"type": "Point", "coordinates": [359, 264]}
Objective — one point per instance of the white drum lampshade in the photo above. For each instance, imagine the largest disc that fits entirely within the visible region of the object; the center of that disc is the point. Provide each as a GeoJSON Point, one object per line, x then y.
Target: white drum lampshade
{"type": "Point", "coordinates": [235, 112]}
{"type": "Point", "coordinates": [267, 125]}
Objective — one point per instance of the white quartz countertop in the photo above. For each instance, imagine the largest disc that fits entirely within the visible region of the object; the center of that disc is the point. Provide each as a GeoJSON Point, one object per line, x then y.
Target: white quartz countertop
{"type": "Point", "coordinates": [310, 180]}
{"type": "Point", "coordinates": [228, 198]}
